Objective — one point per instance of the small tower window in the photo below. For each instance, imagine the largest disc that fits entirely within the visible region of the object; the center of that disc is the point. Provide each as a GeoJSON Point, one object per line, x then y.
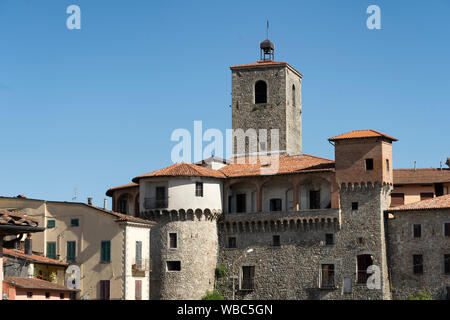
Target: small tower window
{"type": "Point", "coordinates": [260, 92]}
{"type": "Point", "coordinates": [293, 95]}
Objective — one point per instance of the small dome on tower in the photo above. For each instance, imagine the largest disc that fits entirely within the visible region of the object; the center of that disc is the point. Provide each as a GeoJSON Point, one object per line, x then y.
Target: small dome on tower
{"type": "Point", "coordinates": [267, 50]}
{"type": "Point", "coordinates": [266, 45]}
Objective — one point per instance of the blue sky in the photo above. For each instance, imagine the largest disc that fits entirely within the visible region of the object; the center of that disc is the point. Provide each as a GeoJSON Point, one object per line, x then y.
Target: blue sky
{"type": "Point", "coordinates": [92, 108]}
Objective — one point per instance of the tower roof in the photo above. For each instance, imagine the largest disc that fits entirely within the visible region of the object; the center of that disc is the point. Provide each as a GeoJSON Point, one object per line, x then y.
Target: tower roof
{"type": "Point", "coordinates": [361, 134]}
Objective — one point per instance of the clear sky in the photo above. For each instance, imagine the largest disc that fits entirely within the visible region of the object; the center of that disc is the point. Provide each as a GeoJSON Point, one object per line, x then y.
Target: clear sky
{"type": "Point", "coordinates": [93, 108]}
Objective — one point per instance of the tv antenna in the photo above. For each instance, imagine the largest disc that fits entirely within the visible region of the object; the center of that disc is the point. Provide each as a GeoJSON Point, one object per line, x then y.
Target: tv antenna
{"type": "Point", "coordinates": [75, 192]}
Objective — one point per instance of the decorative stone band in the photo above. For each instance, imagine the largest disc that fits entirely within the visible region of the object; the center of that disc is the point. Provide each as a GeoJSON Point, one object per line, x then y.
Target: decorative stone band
{"type": "Point", "coordinates": [182, 215]}
{"type": "Point", "coordinates": [355, 186]}
{"type": "Point", "coordinates": [303, 221]}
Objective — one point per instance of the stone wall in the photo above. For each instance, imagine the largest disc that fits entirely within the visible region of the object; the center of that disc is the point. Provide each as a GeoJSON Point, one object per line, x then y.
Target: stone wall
{"type": "Point", "coordinates": [293, 270]}
{"type": "Point", "coordinates": [196, 250]}
{"type": "Point", "coordinates": [272, 115]}
{"type": "Point", "coordinates": [432, 245]}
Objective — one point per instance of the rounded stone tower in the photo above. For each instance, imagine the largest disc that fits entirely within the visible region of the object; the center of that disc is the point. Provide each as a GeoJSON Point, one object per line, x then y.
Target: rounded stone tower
{"type": "Point", "coordinates": [183, 250]}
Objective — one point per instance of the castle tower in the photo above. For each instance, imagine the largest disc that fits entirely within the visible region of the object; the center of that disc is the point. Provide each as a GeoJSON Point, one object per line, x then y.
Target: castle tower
{"type": "Point", "coordinates": [267, 95]}
{"type": "Point", "coordinates": [364, 173]}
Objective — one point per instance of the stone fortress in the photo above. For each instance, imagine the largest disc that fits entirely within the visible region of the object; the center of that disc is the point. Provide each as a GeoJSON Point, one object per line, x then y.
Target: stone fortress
{"type": "Point", "coordinates": [314, 229]}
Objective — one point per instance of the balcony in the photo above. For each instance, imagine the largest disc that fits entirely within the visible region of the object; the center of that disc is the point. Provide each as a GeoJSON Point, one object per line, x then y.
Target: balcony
{"type": "Point", "coordinates": [139, 267]}
{"type": "Point", "coordinates": [156, 203]}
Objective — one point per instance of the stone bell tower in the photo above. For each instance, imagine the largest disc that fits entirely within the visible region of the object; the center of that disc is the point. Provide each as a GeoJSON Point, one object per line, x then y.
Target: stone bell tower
{"type": "Point", "coordinates": [267, 95]}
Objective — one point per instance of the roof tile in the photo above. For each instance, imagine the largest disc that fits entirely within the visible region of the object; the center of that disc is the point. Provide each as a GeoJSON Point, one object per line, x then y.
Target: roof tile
{"type": "Point", "coordinates": [357, 134]}
{"type": "Point", "coordinates": [442, 202]}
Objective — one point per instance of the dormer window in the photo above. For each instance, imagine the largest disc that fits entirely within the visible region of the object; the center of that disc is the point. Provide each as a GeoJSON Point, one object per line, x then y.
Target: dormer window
{"type": "Point", "coordinates": [260, 92]}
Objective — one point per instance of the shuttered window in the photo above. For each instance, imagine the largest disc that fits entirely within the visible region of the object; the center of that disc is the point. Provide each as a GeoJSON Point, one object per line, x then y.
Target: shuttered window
{"type": "Point", "coordinates": [104, 290]}
{"type": "Point", "coordinates": [105, 251]}
{"type": "Point", "coordinates": [139, 253]}
{"type": "Point", "coordinates": [397, 199]}
{"type": "Point", "coordinates": [138, 289]}
{"type": "Point", "coordinates": [51, 250]}
{"type": "Point", "coordinates": [71, 251]}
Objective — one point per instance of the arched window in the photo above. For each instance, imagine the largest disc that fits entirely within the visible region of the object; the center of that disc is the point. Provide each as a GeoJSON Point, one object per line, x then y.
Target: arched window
{"type": "Point", "coordinates": [260, 92]}
{"type": "Point", "coordinates": [293, 95]}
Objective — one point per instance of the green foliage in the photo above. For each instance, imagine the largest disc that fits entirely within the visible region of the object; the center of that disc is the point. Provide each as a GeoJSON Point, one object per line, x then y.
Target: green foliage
{"type": "Point", "coordinates": [421, 295]}
{"type": "Point", "coordinates": [221, 271]}
{"type": "Point", "coordinates": [213, 295]}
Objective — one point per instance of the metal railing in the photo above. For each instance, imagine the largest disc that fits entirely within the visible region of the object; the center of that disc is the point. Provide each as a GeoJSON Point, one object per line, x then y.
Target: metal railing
{"type": "Point", "coordinates": [156, 203]}
{"type": "Point", "coordinates": [140, 265]}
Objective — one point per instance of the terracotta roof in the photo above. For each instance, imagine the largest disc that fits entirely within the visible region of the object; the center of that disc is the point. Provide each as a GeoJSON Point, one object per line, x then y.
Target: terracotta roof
{"type": "Point", "coordinates": [442, 202]}
{"type": "Point", "coordinates": [33, 257]}
{"type": "Point", "coordinates": [120, 216]}
{"type": "Point", "coordinates": [263, 63]}
{"type": "Point", "coordinates": [357, 134]}
{"type": "Point", "coordinates": [286, 165]}
{"type": "Point", "coordinates": [32, 283]}
{"type": "Point", "coordinates": [421, 176]}
{"type": "Point", "coordinates": [183, 170]}
{"type": "Point", "coordinates": [16, 219]}
{"type": "Point", "coordinates": [125, 186]}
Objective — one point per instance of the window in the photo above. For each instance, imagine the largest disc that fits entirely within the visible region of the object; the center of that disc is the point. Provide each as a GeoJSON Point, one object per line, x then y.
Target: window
{"type": "Point", "coordinates": [417, 231]}
{"type": "Point", "coordinates": [426, 196]}
{"type": "Point", "coordinates": [161, 197]}
{"type": "Point", "coordinates": [417, 264]}
{"type": "Point", "coordinates": [173, 241]}
{"type": "Point", "coordinates": [123, 205]}
{"type": "Point", "coordinates": [447, 229]}
{"type": "Point", "coordinates": [75, 222]}
{"type": "Point", "coordinates": [51, 250]}
{"type": "Point", "coordinates": [329, 239]}
{"type": "Point", "coordinates": [397, 199]}
{"type": "Point", "coordinates": [293, 95]}
{"type": "Point", "coordinates": [327, 276]}
{"type": "Point", "coordinates": [104, 289]}
{"type": "Point", "coordinates": [139, 254]}
{"type": "Point", "coordinates": [364, 261]}
{"type": "Point", "coordinates": [29, 294]}
{"type": "Point", "coordinates": [314, 199]}
{"type": "Point", "coordinates": [105, 254]}
{"type": "Point", "coordinates": [447, 263]}
{"type": "Point", "coordinates": [138, 289]}
{"type": "Point", "coordinates": [354, 206]}
{"type": "Point", "coordinates": [275, 204]}
{"type": "Point", "coordinates": [369, 164]}
{"type": "Point", "coordinates": [248, 278]}
{"type": "Point", "coordinates": [71, 251]}
{"type": "Point", "coordinates": [260, 92]}
{"type": "Point", "coordinates": [51, 224]}
{"type": "Point", "coordinates": [61, 295]}
{"type": "Point", "coordinates": [232, 242]}
{"type": "Point", "coordinates": [240, 203]}
{"type": "Point", "coordinates": [173, 265]}
{"type": "Point", "coordinates": [47, 295]}
{"type": "Point", "coordinates": [388, 167]}
{"type": "Point", "coordinates": [276, 242]}
{"type": "Point", "coordinates": [199, 189]}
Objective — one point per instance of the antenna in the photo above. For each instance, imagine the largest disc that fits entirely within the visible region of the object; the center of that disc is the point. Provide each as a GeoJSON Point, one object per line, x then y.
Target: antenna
{"type": "Point", "coordinates": [267, 30]}
{"type": "Point", "coordinates": [75, 192]}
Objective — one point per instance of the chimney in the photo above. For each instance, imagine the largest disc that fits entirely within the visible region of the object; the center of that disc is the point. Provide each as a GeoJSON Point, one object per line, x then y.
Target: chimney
{"type": "Point", "coordinates": [415, 163]}
{"type": "Point", "coordinates": [28, 245]}
{"type": "Point", "coordinates": [441, 166]}
{"type": "Point", "coordinates": [105, 202]}
{"type": "Point", "coordinates": [90, 201]}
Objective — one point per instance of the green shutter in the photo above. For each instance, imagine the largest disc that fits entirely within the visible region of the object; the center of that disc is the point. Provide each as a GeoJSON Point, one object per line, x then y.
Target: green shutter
{"type": "Point", "coordinates": [50, 224]}
{"type": "Point", "coordinates": [71, 251]}
{"type": "Point", "coordinates": [51, 250]}
{"type": "Point", "coordinates": [106, 251]}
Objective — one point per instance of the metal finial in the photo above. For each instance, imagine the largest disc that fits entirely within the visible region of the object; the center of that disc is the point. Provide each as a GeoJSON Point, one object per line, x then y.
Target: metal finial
{"type": "Point", "coordinates": [267, 30]}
